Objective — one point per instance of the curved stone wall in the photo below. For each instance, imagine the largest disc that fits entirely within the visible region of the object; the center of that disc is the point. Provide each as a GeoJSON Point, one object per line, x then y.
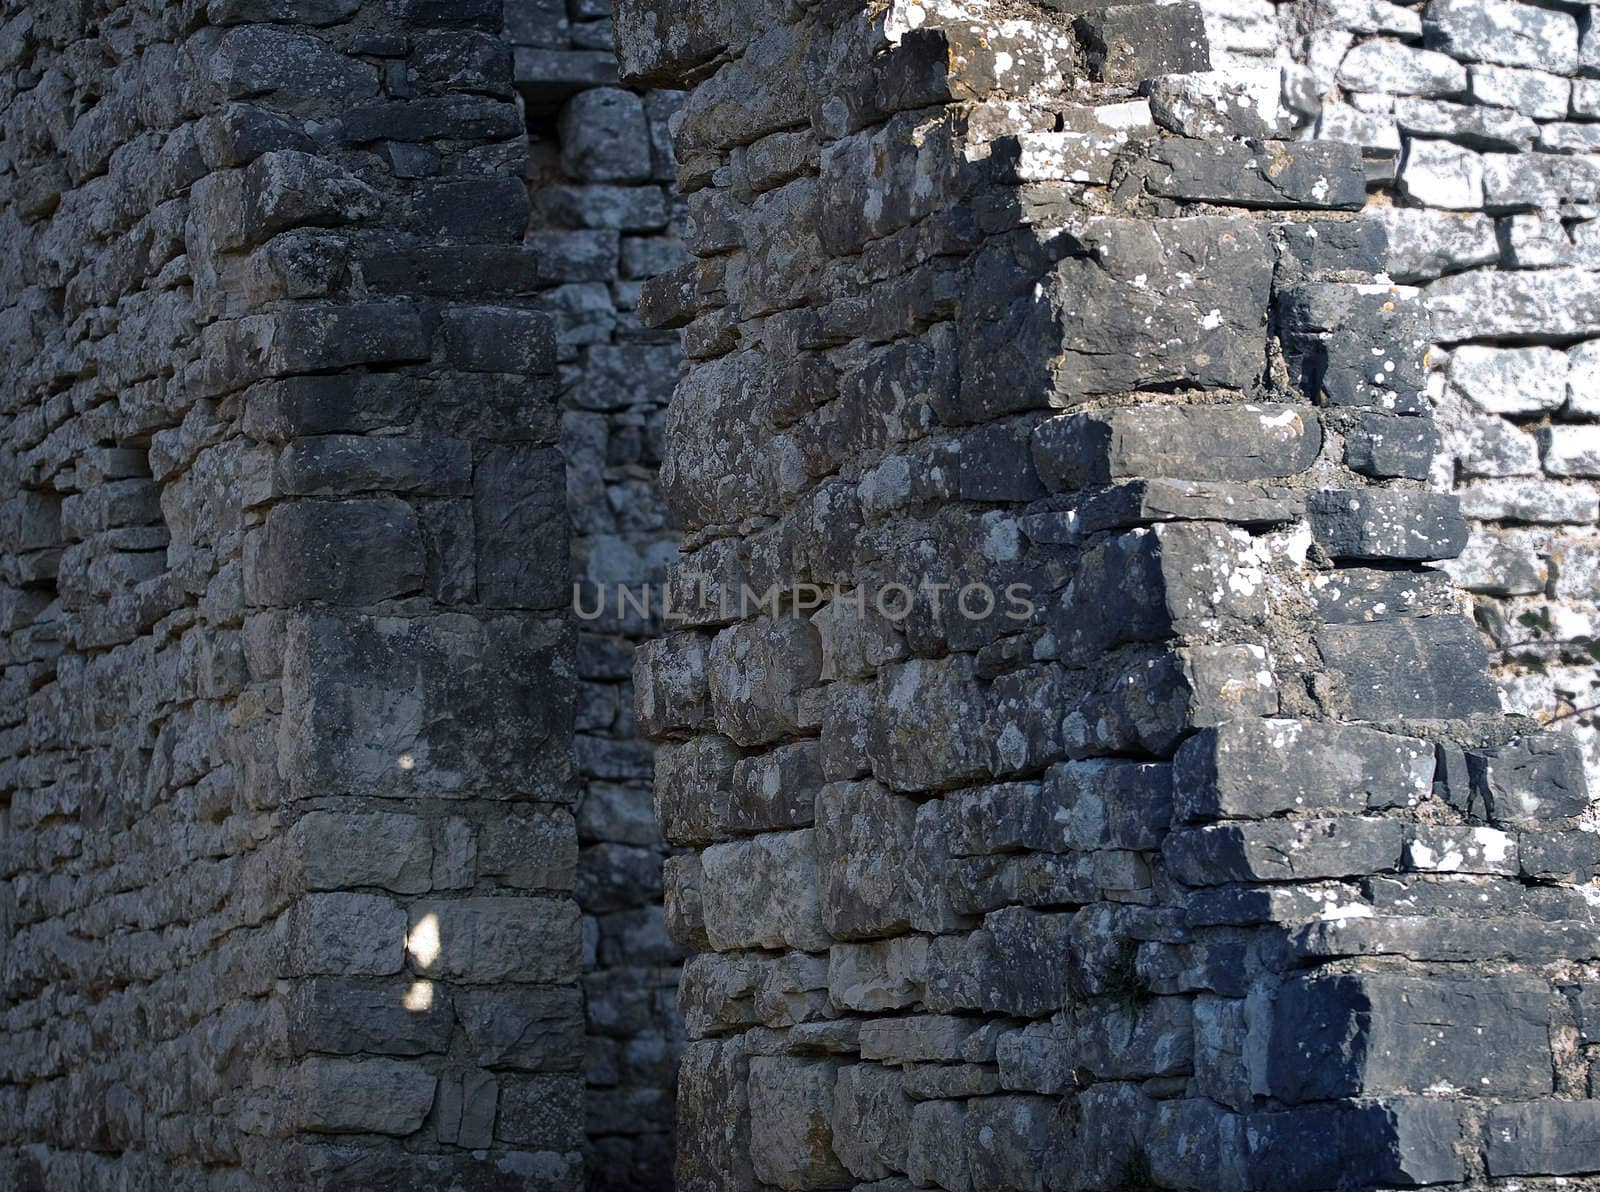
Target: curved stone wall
{"type": "Point", "coordinates": [286, 828]}
{"type": "Point", "coordinates": [1218, 865]}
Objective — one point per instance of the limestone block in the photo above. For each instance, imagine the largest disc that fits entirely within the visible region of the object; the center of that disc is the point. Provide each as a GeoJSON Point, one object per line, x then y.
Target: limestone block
{"type": "Point", "coordinates": [344, 934]}
{"type": "Point", "coordinates": [1426, 667]}
{"type": "Point", "coordinates": [1317, 175]}
{"type": "Point", "coordinates": [764, 893]}
{"type": "Point", "coordinates": [481, 940]}
{"type": "Point", "coordinates": [694, 789]}
{"type": "Point", "coordinates": [1259, 768]}
{"type": "Point", "coordinates": [863, 841]}
{"type": "Point", "coordinates": [376, 704]}
{"type": "Point", "coordinates": [522, 1029]}
{"type": "Point", "coordinates": [603, 137]}
{"type": "Point", "coordinates": [871, 1121]}
{"type": "Point", "coordinates": [1505, 32]}
{"type": "Point", "coordinates": [1367, 524]}
{"type": "Point", "coordinates": [337, 850]}
{"type": "Point", "coordinates": [878, 976]}
{"type": "Point", "coordinates": [1245, 442]}
{"type": "Point", "coordinates": [757, 674]}
{"type": "Point", "coordinates": [1397, 69]}
{"type": "Point", "coordinates": [1282, 850]}
{"type": "Point", "coordinates": [1340, 1036]}
{"type": "Point", "coordinates": [791, 1132]}
{"type": "Point", "coordinates": [1128, 44]}
{"type": "Point", "coordinates": [341, 1096]}
{"type": "Point", "coordinates": [1542, 1137]}
{"type": "Point", "coordinates": [390, 1016]}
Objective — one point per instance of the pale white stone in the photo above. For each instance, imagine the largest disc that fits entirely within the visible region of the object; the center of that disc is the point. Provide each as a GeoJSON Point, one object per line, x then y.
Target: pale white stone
{"type": "Point", "coordinates": [1510, 380]}
{"type": "Point", "coordinates": [1440, 174]}
{"type": "Point", "coordinates": [1571, 450]}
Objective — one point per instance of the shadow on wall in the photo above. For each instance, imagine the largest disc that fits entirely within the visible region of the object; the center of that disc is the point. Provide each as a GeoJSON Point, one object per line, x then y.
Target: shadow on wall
{"type": "Point", "coordinates": [604, 219]}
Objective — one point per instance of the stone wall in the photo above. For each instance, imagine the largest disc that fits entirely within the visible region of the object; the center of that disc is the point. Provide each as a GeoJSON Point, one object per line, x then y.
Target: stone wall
{"type": "Point", "coordinates": [287, 840]}
{"type": "Point", "coordinates": [1216, 865]}
{"type": "Point", "coordinates": [603, 208]}
{"type": "Point", "coordinates": [1478, 122]}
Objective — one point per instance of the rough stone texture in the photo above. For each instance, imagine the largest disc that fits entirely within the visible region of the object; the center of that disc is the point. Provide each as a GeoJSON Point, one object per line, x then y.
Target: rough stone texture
{"type": "Point", "coordinates": [287, 859]}
{"type": "Point", "coordinates": [1215, 864]}
{"type": "Point", "coordinates": [605, 218]}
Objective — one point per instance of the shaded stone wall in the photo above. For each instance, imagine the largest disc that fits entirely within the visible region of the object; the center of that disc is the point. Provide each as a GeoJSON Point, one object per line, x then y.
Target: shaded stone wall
{"type": "Point", "coordinates": [606, 216]}
{"type": "Point", "coordinates": [286, 806]}
{"type": "Point", "coordinates": [1219, 866]}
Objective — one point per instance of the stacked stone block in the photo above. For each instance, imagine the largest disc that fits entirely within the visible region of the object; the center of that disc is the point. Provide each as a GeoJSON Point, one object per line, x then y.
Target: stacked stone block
{"type": "Point", "coordinates": [289, 844]}
{"type": "Point", "coordinates": [1216, 864]}
{"type": "Point", "coordinates": [600, 174]}
{"type": "Point", "coordinates": [1477, 120]}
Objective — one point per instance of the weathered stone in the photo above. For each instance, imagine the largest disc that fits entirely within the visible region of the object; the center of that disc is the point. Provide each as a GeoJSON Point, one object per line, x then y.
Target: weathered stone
{"type": "Point", "coordinates": [1406, 1140]}
{"type": "Point", "coordinates": [351, 552]}
{"type": "Point", "coordinates": [936, 1155]}
{"type": "Point", "coordinates": [1542, 1137]}
{"type": "Point", "coordinates": [1534, 93]}
{"type": "Point", "coordinates": [757, 674]}
{"type": "Point", "coordinates": [1386, 445]}
{"type": "Point", "coordinates": [1012, 1142]}
{"type": "Point", "coordinates": [1531, 781]}
{"type": "Point", "coordinates": [1419, 668]}
{"type": "Point", "coordinates": [1391, 67]}
{"type": "Point", "coordinates": [1424, 245]}
{"type": "Point", "coordinates": [791, 1137]}
{"type": "Point", "coordinates": [346, 739]}
{"type": "Point", "coordinates": [763, 893]}
{"type": "Point", "coordinates": [863, 841]}
{"type": "Point", "coordinates": [1253, 769]}
{"type": "Point", "coordinates": [874, 977]}
{"type": "Point", "coordinates": [1363, 524]}
{"type": "Point", "coordinates": [1474, 126]}
{"type": "Point", "coordinates": [1284, 850]}
{"type": "Point", "coordinates": [379, 1096]}
{"type": "Point", "coordinates": [1115, 327]}
{"type": "Point", "coordinates": [1571, 450]}
{"type": "Point", "coordinates": [1217, 104]}
{"type": "Point", "coordinates": [517, 493]}
{"type": "Point", "coordinates": [1439, 174]}
{"type": "Point", "coordinates": [1016, 964]}
{"type": "Point", "coordinates": [777, 789]}
{"type": "Point", "coordinates": [1375, 1033]}
{"type": "Point", "coordinates": [1355, 346]}
{"type": "Point", "coordinates": [480, 940]}
{"type": "Point", "coordinates": [871, 1121]}
{"type": "Point", "coordinates": [694, 789]}
{"type": "Point", "coordinates": [1315, 174]}
{"type": "Point", "coordinates": [1248, 442]}
{"type": "Point", "coordinates": [604, 137]}
{"type": "Point", "coordinates": [528, 1030]}
{"type": "Point", "coordinates": [387, 1017]}
{"type": "Point", "coordinates": [382, 849]}
{"type": "Point", "coordinates": [1128, 44]}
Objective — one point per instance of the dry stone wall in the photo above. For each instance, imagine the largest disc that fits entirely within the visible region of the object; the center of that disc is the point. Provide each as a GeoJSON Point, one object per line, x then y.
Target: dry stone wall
{"type": "Point", "coordinates": [287, 843]}
{"type": "Point", "coordinates": [1216, 864]}
{"type": "Point", "coordinates": [1477, 120]}
{"type": "Point", "coordinates": [604, 208]}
